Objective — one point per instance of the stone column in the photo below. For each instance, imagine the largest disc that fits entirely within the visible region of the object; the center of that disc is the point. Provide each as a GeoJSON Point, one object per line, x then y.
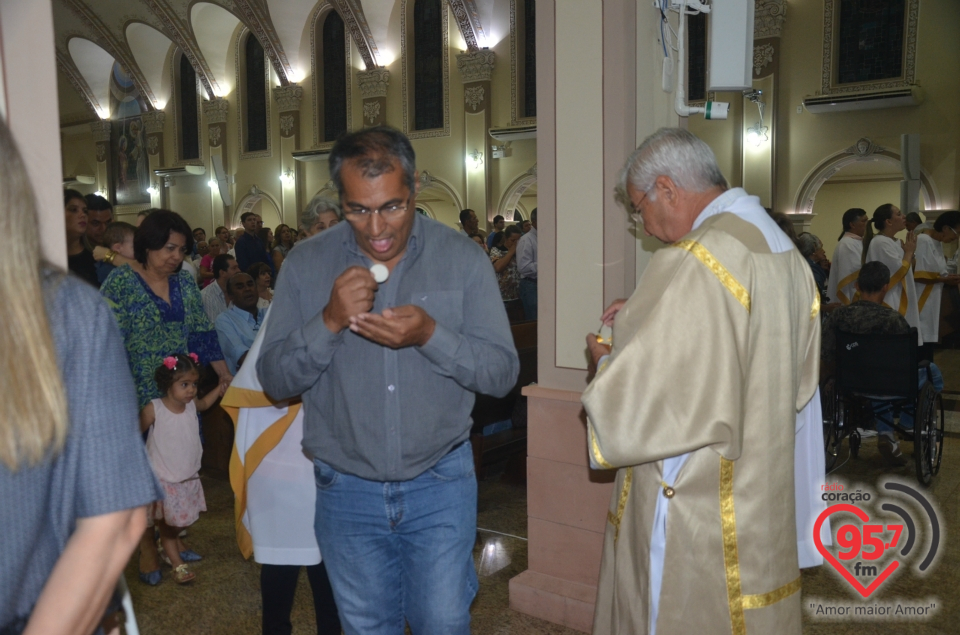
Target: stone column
{"type": "Point", "coordinates": [288, 99]}
{"type": "Point", "coordinates": [476, 69]}
{"type": "Point", "coordinates": [153, 122]}
{"type": "Point", "coordinates": [373, 88]}
{"type": "Point", "coordinates": [101, 136]}
{"type": "Point", "coordinates": [215, 114]}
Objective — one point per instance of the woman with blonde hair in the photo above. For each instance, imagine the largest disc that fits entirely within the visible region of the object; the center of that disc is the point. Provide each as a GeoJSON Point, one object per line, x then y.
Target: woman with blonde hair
{"type": "Point", "coordinates": [74, 476]}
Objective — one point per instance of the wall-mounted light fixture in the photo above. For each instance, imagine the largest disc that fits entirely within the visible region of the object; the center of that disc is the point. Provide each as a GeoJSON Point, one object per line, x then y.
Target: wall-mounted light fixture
{"type": "Point", "coordinates": [476, 158]}
{"type": "Point", "coordinates": [99, 193]}
{"type": "Point", "coordinates": [757, 133]}
{"type": "Point", "coordinates": [152, 190]}
{"type": "Point", "coordinates": [287, 177]}
{"type": "Point", "coordinates": [213, 184]}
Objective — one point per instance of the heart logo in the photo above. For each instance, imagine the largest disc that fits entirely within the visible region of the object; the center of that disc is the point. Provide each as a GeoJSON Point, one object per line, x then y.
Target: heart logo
{"type": "Point", "coordinates": [854, 582]}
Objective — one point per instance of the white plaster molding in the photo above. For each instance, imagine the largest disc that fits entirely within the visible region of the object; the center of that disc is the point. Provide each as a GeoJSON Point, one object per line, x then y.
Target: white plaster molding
{"type": "Point", "coordinates": [288, 97]}
{"type": "Point", "coordinates": [286, 124]}
{"type": "Point", "coordinates": [214, 135]}
{"type": "Point", "coordinates": [768, 17]}
{"type": "Point", "coordinates": [762, 55]}
{"type": "Point", "coordinates": [473, 96]}
{"type": "Point", "coordinates": [153, 121]}
{"type": "Point", "coordinates": [476, 66]}
{"type": "Point", "coordinates": [371, 110]}
{"type": "Point", "coordinates": [100, 130]}
{"type": "Point", "coordinates": [215, 110]}
{"type": "Point", "coordinates": [373, 83]}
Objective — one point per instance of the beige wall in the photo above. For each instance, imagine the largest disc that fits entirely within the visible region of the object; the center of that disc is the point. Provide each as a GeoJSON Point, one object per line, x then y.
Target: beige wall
{"type": "Point", "coordinates": [836, 197]}
{"type": "Point", "coordinates": [805, 139]}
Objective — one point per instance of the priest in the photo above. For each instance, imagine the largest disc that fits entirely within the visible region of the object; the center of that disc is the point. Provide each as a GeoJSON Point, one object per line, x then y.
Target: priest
{"type": "Point", "coordinates": [697, 404]}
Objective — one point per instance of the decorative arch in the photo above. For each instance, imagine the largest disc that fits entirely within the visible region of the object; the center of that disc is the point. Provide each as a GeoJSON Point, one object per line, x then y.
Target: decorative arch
{"type": "Point", "coordinates": [327, 190]}
{"type": "Point", "coordinates": [862, 150]}
{"type": "Point", "coordinates": [428, 181]}
{"type": "Point", "coordinates": [255, 201]}
{"type": "Point", "coordinates": [511, 195]}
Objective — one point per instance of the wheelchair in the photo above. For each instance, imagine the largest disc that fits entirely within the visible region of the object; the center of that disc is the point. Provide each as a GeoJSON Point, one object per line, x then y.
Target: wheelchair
{"type": "Point", "coordinates": [882, 369]}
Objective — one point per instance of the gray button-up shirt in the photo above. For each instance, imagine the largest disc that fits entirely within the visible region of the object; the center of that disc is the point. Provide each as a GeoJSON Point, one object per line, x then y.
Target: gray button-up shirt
{"type": "Point", "coordinates": [371, 411]}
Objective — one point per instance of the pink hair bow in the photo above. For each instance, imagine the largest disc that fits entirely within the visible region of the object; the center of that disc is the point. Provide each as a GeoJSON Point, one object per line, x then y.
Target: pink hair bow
{"type": "Point", "coordinates": [193, 356]}
{"type": "Point", "coordinates": [170, 362]}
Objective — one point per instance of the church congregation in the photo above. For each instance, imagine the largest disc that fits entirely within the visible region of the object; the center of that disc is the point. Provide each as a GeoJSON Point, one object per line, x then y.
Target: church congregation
{"type": "Point", "coordinates": [520, 316]}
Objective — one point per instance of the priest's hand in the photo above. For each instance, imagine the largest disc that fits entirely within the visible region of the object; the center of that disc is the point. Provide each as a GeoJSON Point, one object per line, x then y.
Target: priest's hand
{"type": "Point", "coordinates": [403, 326]}
{"type": "Point", "coordinates": [352, 294]}
{"type": "Point", "coordinates": [596, 350]}
{"type": "Point", "coordinates": [612, 310]}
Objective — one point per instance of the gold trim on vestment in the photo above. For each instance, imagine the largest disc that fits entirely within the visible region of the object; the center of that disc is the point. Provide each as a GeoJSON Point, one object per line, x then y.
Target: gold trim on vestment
{"type": "Point", "coordinates": [615, 519]}
{"type": "Point", "coordinates": [926, 275]}
{"type": "Point", "coordinates": [731, 557]}
{"type": "Point", "coordinates": [815, 309]}
{"type": "Point", "coordinates": [725, 277]}
{"type": "Point", "coordinates": [843, 285]}
{"type": "Point", "coordinates": [761, 600]}
{"type": "Point", "coordinates": [899, 274]}
{"type": "Point", "coordinates": [731, 560]}
{"type": "Point", "coordinates": [904, 302]}
{"type": "Point", "coordinates": [595, 449]}
{"type": "Point", "coordinates": [924, 297]}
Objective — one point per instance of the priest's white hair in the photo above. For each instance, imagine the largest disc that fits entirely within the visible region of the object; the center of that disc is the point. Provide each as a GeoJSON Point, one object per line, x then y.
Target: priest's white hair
{"type": "Point", "coordinates": [674, 153]}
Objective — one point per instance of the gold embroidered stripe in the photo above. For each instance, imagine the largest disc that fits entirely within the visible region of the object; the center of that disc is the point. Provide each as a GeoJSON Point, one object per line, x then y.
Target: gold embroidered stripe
{"type": "Point", "coordinates": [896, 277]}
{"type": "Point", "coordinates": [762, 600]}
{"type": "Point", "coordinates": [595, 449]}
{"type": "Point", "coordinates": [621, 504]}
{"type": "Point", "coordinates": [725, 277]}
{"type": "Point", "coordinates": [848, 280]}
{"type": "Point", "coordinates": [924, 296]}
{"type": "Point", "coordinates": [903, 301]}
{"type": "Point", "coordinates": [926, 275]}
{"type": "Point", "coordinates": [731, 557]}
{"type": "Point", "coordinates": [815, 309]}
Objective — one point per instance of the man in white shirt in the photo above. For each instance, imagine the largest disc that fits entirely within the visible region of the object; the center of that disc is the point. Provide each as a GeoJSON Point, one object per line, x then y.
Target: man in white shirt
{"type": "Point", "coordinates": [214, 295]}
{"type": "Point", "coordinates": [527, 266]}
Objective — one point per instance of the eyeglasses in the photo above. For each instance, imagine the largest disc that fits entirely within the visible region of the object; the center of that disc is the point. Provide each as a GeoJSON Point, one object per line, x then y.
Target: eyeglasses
{"type": "Point", "coordinates": [635, 209]}
{"type": "Point", "coordinates": [386, 212]}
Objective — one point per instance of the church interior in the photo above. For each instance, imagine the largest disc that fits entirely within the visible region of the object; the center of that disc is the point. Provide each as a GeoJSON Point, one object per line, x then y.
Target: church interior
{"type": "Point", "coordinates": [218, 108]}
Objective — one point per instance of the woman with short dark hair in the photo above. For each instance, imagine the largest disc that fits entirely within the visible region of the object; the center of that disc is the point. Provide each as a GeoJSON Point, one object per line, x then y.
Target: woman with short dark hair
{"type": "Point", "coordinates": [160, 313]}
{"type": "Point", "coordinates": [262, 275]}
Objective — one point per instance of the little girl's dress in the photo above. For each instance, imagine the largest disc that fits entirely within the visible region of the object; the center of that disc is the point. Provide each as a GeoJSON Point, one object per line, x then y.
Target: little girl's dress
{"type": "Point", "coordinates": [174, 450]}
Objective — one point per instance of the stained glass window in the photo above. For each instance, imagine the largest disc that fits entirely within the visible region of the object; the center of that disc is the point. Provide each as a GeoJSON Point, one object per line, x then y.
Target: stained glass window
{"type": "Point", "coordinates": [189, 125]}
{"type": "Point", "coordinates": [870, 40]}
{"type": "Point", "coordinates": [428, 64]}
{"type": "Point", "coordinates": [334, 77]}
{"type": "Point", "coordinates": [697, 72]}
{"type": "Point", "coordinates": [530, 58]}
{"type": "Point", "coordinates": [255, 96]}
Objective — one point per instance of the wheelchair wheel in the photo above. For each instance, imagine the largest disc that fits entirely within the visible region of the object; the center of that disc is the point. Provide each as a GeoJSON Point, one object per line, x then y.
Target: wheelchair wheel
{"type": "Point", "coordinates": [928, 434]}
{"type": "Point", "coordinates": [831, 407]}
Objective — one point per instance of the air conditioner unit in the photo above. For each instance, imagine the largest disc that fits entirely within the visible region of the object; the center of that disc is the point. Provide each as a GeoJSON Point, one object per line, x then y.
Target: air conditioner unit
{"type": "Point", "coordinates": [186, 170]}
{"type": "Point", "coordinates": [911, 96]}
{"type": "Point", "coordinates": [514, 133]}
{"type": "Point", "coordinates": [312, 155]}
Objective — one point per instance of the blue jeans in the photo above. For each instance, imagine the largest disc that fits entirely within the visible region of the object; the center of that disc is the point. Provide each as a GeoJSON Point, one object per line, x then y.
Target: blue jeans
{"type": "Point", "coordinates": [401, 551]}
{"type": "Point", "coordinates": [528, 296]}
{"type": "Point", "coordinates": [883, 411]}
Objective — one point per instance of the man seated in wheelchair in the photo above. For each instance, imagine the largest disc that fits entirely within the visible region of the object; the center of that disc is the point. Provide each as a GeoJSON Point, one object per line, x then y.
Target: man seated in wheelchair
{"type": "Point", "coordinates": [869, 315]}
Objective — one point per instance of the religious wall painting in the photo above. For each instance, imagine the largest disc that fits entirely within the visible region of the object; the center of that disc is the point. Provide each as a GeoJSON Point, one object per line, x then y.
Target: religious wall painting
{"type": "Point", "coordinates": [130, 165]}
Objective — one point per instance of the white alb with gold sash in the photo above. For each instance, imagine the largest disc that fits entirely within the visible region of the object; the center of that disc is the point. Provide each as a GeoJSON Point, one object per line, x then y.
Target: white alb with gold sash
{"type": "Point", "coordinates": [271, 476]}
{"type": "Point", "coordinates": [844, 269]}
{"type": "Point", "coordinates": [902, 296]}
{"type": "Point", "coordinates": [931, 265]}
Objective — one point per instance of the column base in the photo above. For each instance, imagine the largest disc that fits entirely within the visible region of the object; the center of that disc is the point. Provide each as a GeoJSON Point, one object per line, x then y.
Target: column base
{"type": "Point", "coordinates": [570, 604]}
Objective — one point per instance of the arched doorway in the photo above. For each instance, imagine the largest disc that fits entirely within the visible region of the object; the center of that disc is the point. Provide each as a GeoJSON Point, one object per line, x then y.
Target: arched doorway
{"type": "Point", "coordinates": [260, 203]}
{"type": "Point", "coordinates": [520, 195]}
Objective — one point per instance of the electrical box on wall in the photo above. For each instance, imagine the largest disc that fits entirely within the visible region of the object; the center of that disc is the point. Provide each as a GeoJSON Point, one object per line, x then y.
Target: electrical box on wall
{"type": "Point", "coordinates": [730, 36]}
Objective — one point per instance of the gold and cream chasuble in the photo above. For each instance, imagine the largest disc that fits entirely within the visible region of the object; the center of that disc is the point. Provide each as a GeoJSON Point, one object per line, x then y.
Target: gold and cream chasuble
{"type": "Point", "coordinates": [844, 269]}
{"type": "Point", "coordinates": [714, 355]}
